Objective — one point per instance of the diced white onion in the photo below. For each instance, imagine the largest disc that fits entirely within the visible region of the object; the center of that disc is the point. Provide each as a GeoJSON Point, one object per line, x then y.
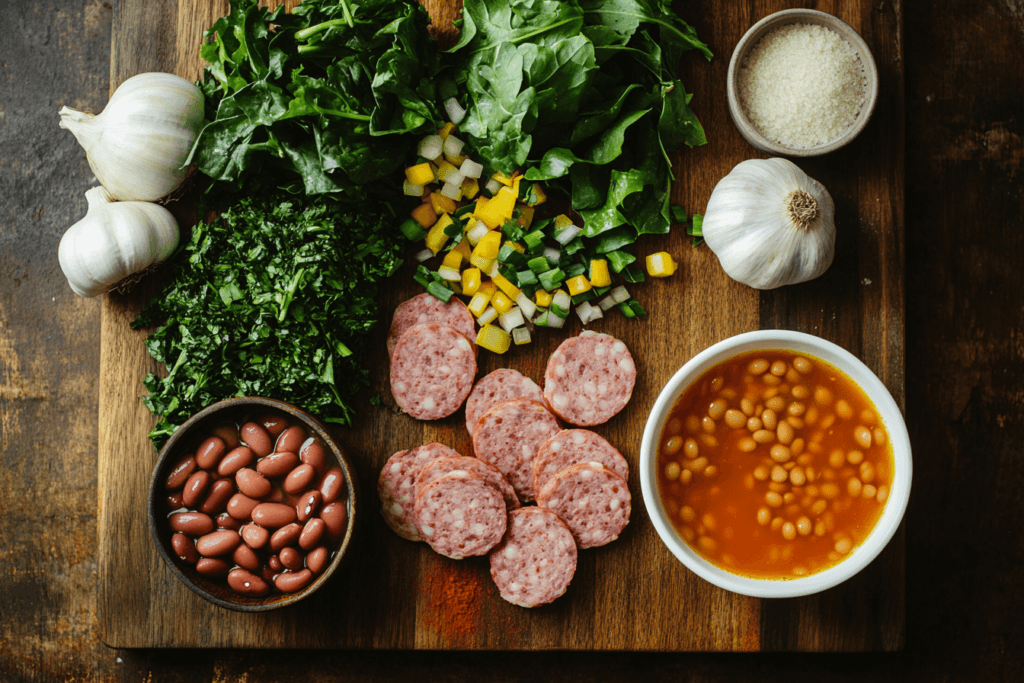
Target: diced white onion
{"type": "Point", "coordinates": [583, 311]}
{"type": "Point", "coordinates": [493, 270]}
{"type": "Point", "coordinates": [455, 112]}
{"type": "Point", "coordinates": [606, 303]}
{"type": "Point", "coordinates": [487, 316]}
{"type": "Point", "coordinates": [511, 319]}
{"type": "Point", "coordinates": [527, 306]}
{"type": "Point", "coordinates": [476, 233]}
{"type": "Point", "coordinates": [412, 190]}
{"type": "Point", "coordinates": [422, 256]}
{"type": "Point", "coordinates": [619, 294]}
{"type": "Point", "coordinates": [471, 169]}
{"type": "Point", "coordinates": [554, 320]}
{"type": "Point", "coordinates": [568, 233]}
{"type": "Point", "coordinates": [492, 186]}
{"type": "Point", "coordinates": [455, 178]}
{"type": "Point", "coordinates": [521, 335]}
{"type": "Point", "coordinates": [451, 274]}
{"type": "Point", "coordinates": [595, 313]}
{"type": "Point", "coordinates": [552, 255]}
{"type": "Point", "coordinates": [453, 146]}
{"type": "Point", "coordinates": [562, 300]}
{"type": "Point", "coordinates": [452, 191]}
{"type": "Point", "coordinates": [431, 146]}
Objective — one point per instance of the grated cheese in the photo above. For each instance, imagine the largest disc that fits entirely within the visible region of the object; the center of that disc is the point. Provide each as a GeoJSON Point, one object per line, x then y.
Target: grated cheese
{"type": "Point", "coordinates": [802, 85]}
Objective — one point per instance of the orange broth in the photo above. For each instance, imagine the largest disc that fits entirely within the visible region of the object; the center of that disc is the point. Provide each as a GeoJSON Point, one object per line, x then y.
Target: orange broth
{"type": "Point", "coordinates": [774, 473]}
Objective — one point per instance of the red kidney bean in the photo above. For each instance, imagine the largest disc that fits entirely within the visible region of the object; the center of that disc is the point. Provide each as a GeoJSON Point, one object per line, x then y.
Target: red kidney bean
{"type": "Point", "coordinates": [307, 505]}
{"type": "Point", "coordinates": [212, 567]}
{"type": "Point", "coordinates": [274, 424]}
{"type": "Point", "coordinates": [210, 451]}
{"type": "Point", "coordinates": [218, 543]}
{"type": "Point", "coordinates": [191, 523]}
{"type": "Point", "coordinates": [252, 483]}
{"type": "Point", "coordinates": [244, 556]}
{"type": "Point", "coordinates": [278, 464]}
{"type": "Point", "coordinates": [218, 497]}
{"type": "Point", "coordinates": [228, 433]}
{"type": "Point", "coordinates": [267, 573]}
{"type": "Point", "coordinates": [332, 485]}
{"type": "Point", "coordinates": [312, 533]}
{"type": "Point", "coordinates": [247, 583]}
{"type": "Point", "coordinates": [184, 548]}
{"type": "Point", "coordinates": [180, 473]}
{"type": "Point", "coordinates": [256, 438]}
{"type": "Point", "coordinates": [275, 563]}
{"type": "Point", "coordinates": [291, 440]}
{"type": "Point", "coordinates": [299, 479]}
{"type": "Point", "coordinates": [291, 559]}
{"type": "Point", "coordinates": [195, 487]}
{"type": "Point", "coordinates": [335, 515]}
{"type": "Point", "coordinates": [273, 515]}
{"type": "Point", "coordinates": [235, 460]}
{"type": "Point", "coordinates": [276, 496]}
{"type": "Point", "coordinates": [226, 521]}
{"type": "Point", "coordinates": [292, 582]}
{"type": "Point", "coordinates": [241, 506]}
{"type": "Point", "coordinates": [316, 561]}
{"type": "Point", "coordinates": [174, 501]}
{"type": "Point", "coordinates": [312, 453]}
{"type": "Point", "coordinates": [255, 536]}
{"type": "Point", "coordinates": [285, 536]}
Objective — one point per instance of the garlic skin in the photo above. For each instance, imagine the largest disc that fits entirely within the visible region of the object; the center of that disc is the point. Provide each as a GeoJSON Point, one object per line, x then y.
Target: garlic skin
{"type": "Point", "coordinates": [770, 224]}
{"type": "Point", "coordinates": [113, 241]}
{"type": "Point", "coordinates": [137, 145]}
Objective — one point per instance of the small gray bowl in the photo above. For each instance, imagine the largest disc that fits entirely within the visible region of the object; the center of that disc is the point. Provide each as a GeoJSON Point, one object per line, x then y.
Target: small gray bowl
{"type": "Point", "coordinates": [799, 16]}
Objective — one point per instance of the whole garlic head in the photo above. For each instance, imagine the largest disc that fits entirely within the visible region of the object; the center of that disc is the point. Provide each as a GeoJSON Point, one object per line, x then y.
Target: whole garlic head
{"type": "Point", "coordinates": [770, 224]}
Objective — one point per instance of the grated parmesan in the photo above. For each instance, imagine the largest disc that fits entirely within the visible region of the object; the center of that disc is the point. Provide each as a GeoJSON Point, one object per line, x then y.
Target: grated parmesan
{"type": "Point", "coordinates": [802, 85]}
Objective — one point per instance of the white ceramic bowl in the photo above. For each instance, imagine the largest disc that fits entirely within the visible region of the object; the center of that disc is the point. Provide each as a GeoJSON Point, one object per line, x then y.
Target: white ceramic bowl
{"type": "Point", "coordinates": [887, 409]}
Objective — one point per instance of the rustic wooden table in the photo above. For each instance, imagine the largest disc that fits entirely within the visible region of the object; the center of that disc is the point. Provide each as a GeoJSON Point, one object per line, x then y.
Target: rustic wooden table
{"type": "Point", "coordinates": [964, 372]}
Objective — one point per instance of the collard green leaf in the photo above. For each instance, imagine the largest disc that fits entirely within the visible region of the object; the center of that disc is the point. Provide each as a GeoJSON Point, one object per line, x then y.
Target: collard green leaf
{"type": "Point", "coordinates": [604, 218]}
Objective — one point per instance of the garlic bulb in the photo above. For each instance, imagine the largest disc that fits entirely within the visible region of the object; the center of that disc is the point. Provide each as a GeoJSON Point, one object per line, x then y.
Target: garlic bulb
{"type": "Point", "coordinates": [137, 145]}
{"type": "Point", "coordinates": [770, 225]}
{"type": "Point", "coordinates": [113, 241]}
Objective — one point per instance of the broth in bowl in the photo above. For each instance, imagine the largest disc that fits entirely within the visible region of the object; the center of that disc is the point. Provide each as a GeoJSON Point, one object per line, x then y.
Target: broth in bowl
{"type": "Point", "coordinates": [774, 465]}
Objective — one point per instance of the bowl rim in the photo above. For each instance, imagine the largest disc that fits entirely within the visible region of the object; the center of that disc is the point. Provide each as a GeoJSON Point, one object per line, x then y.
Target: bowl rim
{"type": "Point", "coordinates": [888, 412]}
{"type": "Point", "coordinates": [791, 16]}
{"type": "Point", "coordinates": [181, 435]}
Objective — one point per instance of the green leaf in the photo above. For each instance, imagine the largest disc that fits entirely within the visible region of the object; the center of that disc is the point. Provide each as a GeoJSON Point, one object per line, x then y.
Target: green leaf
{"type": "Point", "coordinates": [605, 218]}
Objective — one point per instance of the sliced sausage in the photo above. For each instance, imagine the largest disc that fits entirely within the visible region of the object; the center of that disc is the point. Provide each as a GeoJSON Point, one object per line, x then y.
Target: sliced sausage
{"type": "Point", "coordinates": [432, 371]}
{"type": "Point", "coordinates": [591, 499]}
{"type": "Point", "coordinates": [426, 308]}
{"type": "Point", "coordinates": [536, 560]}
{"type": "Point", "coordinates": [460, 515]}
{"type": "Point", "coordinates": [574, 446]}
{"type": "Point", "coordinates": [508, 436]}
{"type": "Point", "coordinates": [396, 486]}
{"type": "Point", "coordinates": [490, 474]}
{"type": "Point", "coordinates": [499, 386]}
{"type": "Point", "coordinates": [589, 379]}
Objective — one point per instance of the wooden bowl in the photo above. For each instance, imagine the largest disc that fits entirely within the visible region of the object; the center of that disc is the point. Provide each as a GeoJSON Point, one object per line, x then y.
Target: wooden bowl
{"type": "Point", "coordinates": [799, 16]}
{"type": "Point", "coordinates": [186, 437]}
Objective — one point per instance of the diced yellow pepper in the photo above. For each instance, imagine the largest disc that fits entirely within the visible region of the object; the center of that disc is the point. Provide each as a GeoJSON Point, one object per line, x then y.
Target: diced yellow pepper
{"type": "Point", "coordinates": [510, 290]}
{"type": "Point", "coordinates": [464, 249]}
{"type": "Point", "coordinates": [515, 245]}
{"type": "Point", "coordinates": [488, 246]}
{"type": "Point", "coordinates": [494, 339]}
{"type": "Point", "coordinates": [543, 298]}
{"type": "Point", "coordinates": [446, 130]}
{"type": "Point", "coordinates": [470, 281]}
{"type": "Point", "coordinates": [478, 304]}
{"type": "Point", "coordinates": [456, 160]}
{"type": "Point", "coordinates": [425, 215]}
{"type": "Point", "coordinates": [441, 203]}
{"type": "Point", "coordinates": [470, 188]}
{"type": "Point", "coordinates": [501, 302]}
{"type": "Point", "coordinates": [452, 259]}
{"type": "Point", "coordinates": [420, 174]}
{"type": "Point", "coordinates": [526, 217]}
{"type": "Point", "coordinates": [444, 169]}
{"type": "Point", "coordinates": [505, 202]}
{"type": "Point", "coordinates": [561, 221]}
{"type": "Point", "coordinates": [599, 275]}
{"type": "Point", "coordinates": [578, 285]}
{"type": "Point", "coordinates": [542, 196]}
{"type": "Point", "coordinates": [490, 288]}
{"type": "Point", "coordinates": [484, 264]}
{"type": "Point", "coordinates": [660, 264]}
{"type": "Point", "coordinates": [436, 238]}
{"type": "Point", "coordinates": [489, 211]}
{"type": "Point", "coordinates": [501, 178]}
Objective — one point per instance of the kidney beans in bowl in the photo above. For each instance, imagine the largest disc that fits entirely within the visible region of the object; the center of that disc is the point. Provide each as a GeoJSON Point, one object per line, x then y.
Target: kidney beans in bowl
{"type": "Point", "coordinates": [252, 505]}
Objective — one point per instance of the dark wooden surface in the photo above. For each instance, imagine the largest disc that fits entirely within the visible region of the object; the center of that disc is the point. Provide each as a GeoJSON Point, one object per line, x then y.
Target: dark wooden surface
{"type": "Point", "coordinates": [400, 595]}
{"type": "Point", "coordinates": [964, 374]}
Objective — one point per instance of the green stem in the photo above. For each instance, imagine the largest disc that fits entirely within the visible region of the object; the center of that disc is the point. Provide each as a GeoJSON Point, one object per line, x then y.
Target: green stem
{"type": "Point", "coordinates": [311, 31]}
{"type": "Point", "coordinates": [343, 114]}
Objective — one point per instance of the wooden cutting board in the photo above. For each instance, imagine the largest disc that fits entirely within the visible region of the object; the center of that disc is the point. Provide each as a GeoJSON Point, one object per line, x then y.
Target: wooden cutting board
{"type": "Point", "coordinates": [631, 594]}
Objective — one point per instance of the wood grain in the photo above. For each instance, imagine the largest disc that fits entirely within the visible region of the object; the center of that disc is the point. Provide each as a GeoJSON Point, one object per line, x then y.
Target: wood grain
{"type": "Point", "coordinates": [631, 595]}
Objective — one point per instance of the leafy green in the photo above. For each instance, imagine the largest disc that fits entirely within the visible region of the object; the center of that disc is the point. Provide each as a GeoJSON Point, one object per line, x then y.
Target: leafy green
{"type": "Point", "coordinates": [323, 100]}
{"type": "Point", "coordinates": [273, 299]}
{"type": "Point", "coordinates": [583, 94]}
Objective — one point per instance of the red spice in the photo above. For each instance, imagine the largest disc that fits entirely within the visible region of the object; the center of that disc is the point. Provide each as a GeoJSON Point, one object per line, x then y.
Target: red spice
{"type": "Point", "coordinates": [453, 595]}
